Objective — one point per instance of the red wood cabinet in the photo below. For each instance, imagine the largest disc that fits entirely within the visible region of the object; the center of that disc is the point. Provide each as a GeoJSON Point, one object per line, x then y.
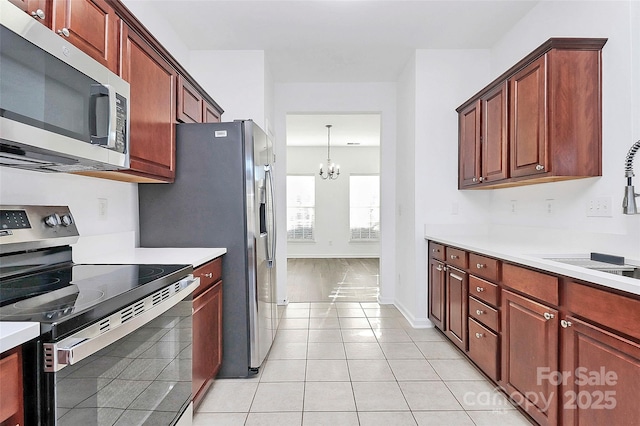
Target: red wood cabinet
{"type": "Point", "coordinates": [11, 400]}
{"type": "Point", "coordinates": [193, 107]}
{"type": "Point", "coordinates": [529, 349]}
{"type": "Point", "coordinates": [456, 307]}
{"type": "Point", "coordinates": [40, 10]}
{"type": "Point", "coordinates": [152, 108]}
{"type": "Point", "coordinates": [210, 114]}
{"type": "Point", "coordinates": [92, 26]}
{"type": "Point", "coordinates": [207, 328]}
{"type": "Point", "coordinates": [495, 148]}
{"type": "Point", "coordinates": [540, 121]}
{"type": "Point", "coordinates": [601, 376]}
{"type": "Point", "coordinates": [469, 146]}
{"type": "Point", "coordinates": [437, 289]}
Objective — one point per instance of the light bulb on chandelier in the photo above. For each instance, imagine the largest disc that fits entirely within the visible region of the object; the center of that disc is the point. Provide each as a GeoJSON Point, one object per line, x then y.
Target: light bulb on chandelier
{"type": "Point", "coordinates": [333, 169]}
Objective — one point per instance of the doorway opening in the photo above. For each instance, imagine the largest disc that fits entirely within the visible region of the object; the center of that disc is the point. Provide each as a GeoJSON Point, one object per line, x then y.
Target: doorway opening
{"type": "Point", "coordinates": [333, 225]}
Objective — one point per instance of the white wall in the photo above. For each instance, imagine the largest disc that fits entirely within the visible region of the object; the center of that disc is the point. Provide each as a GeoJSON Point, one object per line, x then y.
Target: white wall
{"type": "Point", "coordinates": [332, 200]}
{"type": "Point", "coordinates": [80, 193]}
{"type": "Point", "coordinates": [431, 87]}
{"type": "Point", "coordinates": [344, 98]}
{"type": "Point", "coordinates": [235, 79]}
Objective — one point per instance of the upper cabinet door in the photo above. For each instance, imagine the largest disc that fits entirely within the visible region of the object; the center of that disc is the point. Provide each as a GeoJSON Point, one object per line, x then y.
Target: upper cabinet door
{"type": "Point", "coordinates": [40, 10]}
{"type": "Point", "coordinates": [529, 120]}
{"type": "Point", "coordinates": [189, 103]}
{"type": "Point", "coordinates": [153, 108]}
{"type": "Point", "coordinates": [92, 26]}
{"type": "Point", "coordinates": [495, 143]}
{"type": "Point", "coordinates": [469, 149]}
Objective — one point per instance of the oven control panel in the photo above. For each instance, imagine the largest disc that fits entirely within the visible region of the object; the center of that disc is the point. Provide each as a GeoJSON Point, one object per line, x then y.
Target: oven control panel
{"type": "Point", "coordinates": [33, 227]}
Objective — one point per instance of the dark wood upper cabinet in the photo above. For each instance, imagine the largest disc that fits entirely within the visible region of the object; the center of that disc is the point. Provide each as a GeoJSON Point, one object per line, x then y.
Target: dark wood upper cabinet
{"type": "Point", "coordinates": [152, 108]}
{"type": "Point", "coordinates": [190, 103]}
{"type": "Point", "coordinates": [210, 114]}
{"type": "Point", "coordinates": [495, 147]}
{"type": "Point", "coordinates": [469, 151]}
{"type": "Point", "coordinates": [40, 10]}
{"type": "Point", "coordinates": [90, 25]}
{"type": "Point", "coordinates": [541, 121]}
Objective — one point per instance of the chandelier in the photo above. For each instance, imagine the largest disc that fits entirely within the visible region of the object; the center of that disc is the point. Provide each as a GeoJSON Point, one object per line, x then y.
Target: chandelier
{"type": "Point", "coordinates": [333, 170]}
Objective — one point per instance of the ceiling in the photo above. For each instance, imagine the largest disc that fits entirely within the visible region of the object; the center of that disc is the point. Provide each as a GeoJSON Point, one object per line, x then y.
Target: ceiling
{"type": "Point", "coordinates": [329, 41]}
{"type": "Point", "coordinates": [336, 40]}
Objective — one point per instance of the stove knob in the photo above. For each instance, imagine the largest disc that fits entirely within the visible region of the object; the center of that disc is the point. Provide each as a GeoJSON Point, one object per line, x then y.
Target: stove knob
{"type": "Point", "coordinates": [52, 220]}
{"type": "Point", "coordinates": [66, 220]}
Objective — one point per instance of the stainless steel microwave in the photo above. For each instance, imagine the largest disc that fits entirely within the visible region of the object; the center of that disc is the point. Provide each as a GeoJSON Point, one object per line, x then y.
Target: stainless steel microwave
{"type": "Point", "coordinates": [60, 110]}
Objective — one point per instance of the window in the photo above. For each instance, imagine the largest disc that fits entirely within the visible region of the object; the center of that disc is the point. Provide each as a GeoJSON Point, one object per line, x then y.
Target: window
{"type": "Point", "coordinates": [301, 207]}
{"type": "Point", "coordinates": [364, 207]}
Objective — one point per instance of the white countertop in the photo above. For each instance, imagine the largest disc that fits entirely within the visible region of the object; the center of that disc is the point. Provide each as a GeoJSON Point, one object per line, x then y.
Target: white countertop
{"type": "Point", "coordinates": [141, 255]}
{"type": "Point", "coordinates": [13, 334]}
{"type": "Point", "coordinates": [535, 256]}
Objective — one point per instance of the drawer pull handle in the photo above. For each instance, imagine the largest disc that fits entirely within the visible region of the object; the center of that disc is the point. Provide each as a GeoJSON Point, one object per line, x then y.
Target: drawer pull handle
{"type": "Point", "coordinates": [479, 335]}
{"type": "Point", "coordinates": [539, 167]}
{"type": "Point", "coordinates": [439, 268]}
{"type": "Point", "coordinates": [548, 316]}
{"type": "Point", "coordinates": [435, 250]}
{"type": "Point", "coordinates": [479, 312]}
{"type": "Point", "coordinates": [453, 257]}
{"type": "Point", "coordinates": [209, 275]}
{"type": "Point", "coordinates": [565, 323]}
{"type": "Point", "coordinates": [480, 265]}
{"type": "Point", "coordinates": [479, 289]}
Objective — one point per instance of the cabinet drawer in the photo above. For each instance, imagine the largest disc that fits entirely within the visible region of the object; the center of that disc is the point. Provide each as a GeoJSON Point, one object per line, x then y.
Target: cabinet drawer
{"type": "Point", "coordinates": [609, 309]}
{"type": "Point", "coordinates": [483, 349]}
{"type": "Point", "coordinates": [209, 273]}
{"type": "Point", "coordinates": [484, 313]}
{"type": "Point", "coordinates": [485, 267]}
{"type": "Point", "coordinates": [532, 283]}
{"type": "Point", "coordinates": [436, 250]}
{"type": "Point", "coordinates": [456, 257]}
{"type": "Point", "coordinates": [484, 290]}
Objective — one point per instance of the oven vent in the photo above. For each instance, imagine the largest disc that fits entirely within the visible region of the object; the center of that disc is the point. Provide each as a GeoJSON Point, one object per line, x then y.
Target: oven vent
{"type": "Point", "coordinates": [126, 314]}
{"type": "Point", "coordinates": [138, 308]}
{"type": "Point", "coordinates": [104, 325]}
{"type": "Point", "coordinates": [156, 298]}
{"type": "Point", "coordinates": [166, 293]}
{"type": "Point", "coordinates": [49, 358]}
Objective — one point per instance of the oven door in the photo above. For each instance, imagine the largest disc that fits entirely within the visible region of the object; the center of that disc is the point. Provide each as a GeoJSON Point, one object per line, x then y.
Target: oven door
{"type": "Point", "coordinates": [137, 372]}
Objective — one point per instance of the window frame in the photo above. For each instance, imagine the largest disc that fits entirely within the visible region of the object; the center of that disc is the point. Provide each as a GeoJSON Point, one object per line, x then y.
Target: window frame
{"type": "Point", "coordinates": [351, 228]}
{"type": "Point", "coordinates": [314, 208]}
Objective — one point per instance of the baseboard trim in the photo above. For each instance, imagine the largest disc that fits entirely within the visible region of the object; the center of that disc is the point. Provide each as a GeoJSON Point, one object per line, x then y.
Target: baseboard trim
{"type": "Point", "coordinates": [415, 322]}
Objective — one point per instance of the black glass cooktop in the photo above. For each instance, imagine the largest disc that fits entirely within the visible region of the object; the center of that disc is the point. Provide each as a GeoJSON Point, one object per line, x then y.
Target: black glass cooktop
{"type": "Point", "coordinates": [65, 298]}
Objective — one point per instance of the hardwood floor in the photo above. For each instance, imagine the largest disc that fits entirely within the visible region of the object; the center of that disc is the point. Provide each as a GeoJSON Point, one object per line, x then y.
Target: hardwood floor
{"type": "Point", "coordinates": [333, 280]}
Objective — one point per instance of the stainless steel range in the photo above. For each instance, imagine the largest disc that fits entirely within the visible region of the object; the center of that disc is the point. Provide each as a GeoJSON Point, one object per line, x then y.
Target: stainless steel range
{"type": "Point", "coordinates": [115, 343]}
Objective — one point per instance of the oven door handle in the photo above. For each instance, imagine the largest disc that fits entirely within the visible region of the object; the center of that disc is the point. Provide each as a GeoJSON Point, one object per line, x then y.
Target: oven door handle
{"type": "Point", "coordinates": [87, 342]}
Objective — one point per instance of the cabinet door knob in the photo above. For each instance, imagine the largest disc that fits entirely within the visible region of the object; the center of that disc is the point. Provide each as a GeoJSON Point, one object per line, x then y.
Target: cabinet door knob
{"type": "Point", "coordinates": [208, 275]}
{"type": "Point", "coordinates": [474, 179]}
{"type": "Point", "coordinates": [479, 335]}
{"type": "Point", "coordinates": [565, 323]}
{"type": "Point", "coordinates": [479, 289]}
{"type": "Point", "coordinates": [38, 14]}
{"type": "Point", "coordinates": [481, 179]}
{"type": "Point", "coordinates": [548, 316]}
{"type": "Point", "coordinates": [439, 268]}
{"type": "Point", "coordinates": [479, 312]}
{"type": "Point", "coordinates": [64, 32]}
{"type": "Point", "coordinates": [480, 265]}
{"type": "Point", "coordinates": [453, 257]}
{"type": "Point", "coordinates": [539, 167]}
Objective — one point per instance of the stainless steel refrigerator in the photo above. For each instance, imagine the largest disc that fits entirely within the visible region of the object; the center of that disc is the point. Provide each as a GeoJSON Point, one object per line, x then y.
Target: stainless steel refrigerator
{"type": "Point", "coordinates": [223, 196]}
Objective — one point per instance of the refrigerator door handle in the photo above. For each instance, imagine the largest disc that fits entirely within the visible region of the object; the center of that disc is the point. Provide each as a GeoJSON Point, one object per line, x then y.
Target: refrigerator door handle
{"type": "Point", "coordinates": [271, 200]}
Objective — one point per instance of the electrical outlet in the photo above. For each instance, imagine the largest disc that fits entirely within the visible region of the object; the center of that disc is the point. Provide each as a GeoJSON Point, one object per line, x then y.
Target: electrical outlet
{"type": "Point", "coordinates": [514, 207]}
{"type": "Point", "coordinates": [599, 207]}
{"type": "Point", "coordinates": [102, 208]}
{"type": "Point", "coordinates": [549, 206]}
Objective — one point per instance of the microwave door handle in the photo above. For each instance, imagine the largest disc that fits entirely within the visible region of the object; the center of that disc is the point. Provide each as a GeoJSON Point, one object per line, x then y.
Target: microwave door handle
{"type": "Point", "coordinates": [98, 91]}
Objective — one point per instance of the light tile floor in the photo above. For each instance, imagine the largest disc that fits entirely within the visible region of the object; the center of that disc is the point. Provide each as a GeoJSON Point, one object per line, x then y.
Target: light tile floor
{"type": "Point", "coordinates": [357, 364]}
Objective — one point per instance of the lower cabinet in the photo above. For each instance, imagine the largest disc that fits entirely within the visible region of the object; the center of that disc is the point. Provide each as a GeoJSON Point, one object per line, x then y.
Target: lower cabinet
{"type": "Point", "coordinates": [529, 351]}
{"type": "Point", "coordinates": [436, 304]}
{"type": "Point", "coordinates": [484, 348]}
{"type": "Point", "coordinates": [456, 307]}
{"type": "Point", "coordinates": [11, 400]}
{"type": "Point", "coordinates": [207, 329]}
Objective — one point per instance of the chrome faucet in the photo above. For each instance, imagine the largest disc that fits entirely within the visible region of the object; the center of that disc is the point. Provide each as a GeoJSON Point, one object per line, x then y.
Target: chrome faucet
{"type": "Point", "coordinates": [629, 202]}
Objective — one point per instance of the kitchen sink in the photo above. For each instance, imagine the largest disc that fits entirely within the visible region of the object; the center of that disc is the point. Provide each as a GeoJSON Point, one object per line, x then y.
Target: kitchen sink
{"type": "Point", "coordinates": [604, 263]}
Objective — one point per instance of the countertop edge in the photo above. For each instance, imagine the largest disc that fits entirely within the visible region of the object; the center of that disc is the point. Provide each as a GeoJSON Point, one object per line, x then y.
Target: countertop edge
{"type": "Point", "coordinates": [14, 334]}
{"type": "Point", "coordinates": [195, 256]}
{"type": "Point", "coordinates": [535, 258]}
